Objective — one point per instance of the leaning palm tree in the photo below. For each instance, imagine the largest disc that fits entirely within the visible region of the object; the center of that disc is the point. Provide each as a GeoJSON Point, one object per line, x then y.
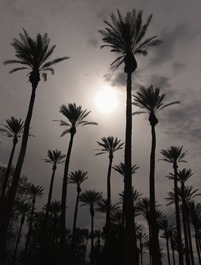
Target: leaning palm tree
{"type": "Point", "coordinates": [76, 118]}
{"type": "Point", "coordinates": [32, 55]}
{"type": "Point", "coordinates": [77, 178]}
{"type": "Point", "coordinates": [175, 155]}
{"type": "Point", "coordinates": [12, 129]}
{"type": "Point", "coordinates": [33, 192]}
{"type": "Point", "coordinates": [126, 36]}
{"type": "Point", "coordinates": [151, 101]}
{"type": "Point", "coordinates": [109, 145]}
{"type": "Point", "coordinates": [91, 198]}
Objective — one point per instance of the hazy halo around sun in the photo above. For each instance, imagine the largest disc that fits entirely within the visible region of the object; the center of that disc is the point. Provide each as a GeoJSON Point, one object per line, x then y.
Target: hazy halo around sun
{"type": "Point", "coordinates": [106, 99]}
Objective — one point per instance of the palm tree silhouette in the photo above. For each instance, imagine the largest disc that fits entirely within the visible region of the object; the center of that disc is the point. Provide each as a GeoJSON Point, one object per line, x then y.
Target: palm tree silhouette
{"type": "Point", "coordinates": [34, 192]}
{"type": "Point", "coordinates": [175, 155]}
{"type": "Point", "coordinates": [12, 129]}
{"type": "Point", "coordinates": [126, 36]}
{"type": "Point", "coordinates": [195, 214]}
{"type": "Point", "coordinates": [151, 101]}
{"type": "Point", "coordinates": [32, 55]}
{"type": "Point", "coordinates": [109, 145]}
{"type": "Point", "coordinates": [142, 237]}
{"type": "Point", "coordinates": [76, 118]}
{"type": "Point", "coordinates": [167, 232]}
{"type": "Point", "coordinates": [77, 178]}
{"type": "Point", "coordinates": [55, 158]}
{"type": "Point", "coordinates": [91, 198]}
{"type": "Point", "coordinates": [23, 209]}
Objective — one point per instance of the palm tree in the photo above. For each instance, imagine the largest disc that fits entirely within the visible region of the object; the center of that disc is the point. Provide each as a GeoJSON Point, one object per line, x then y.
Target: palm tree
{"type": "Point", "coordinates": [142, 237]}
{"type": "Point", "coordinates": [77, 178]}
{"type": "Point", "coordinates": [126, 36]}
{"type": "Point", "coordinates": [195, 217]}
{"type": "Point", "coordinates": [12, 129]}
{"type": "Point", "coordinates": [34, 192]}
{"type": "Point", "coordinates": [167, 232]}
{"type": "Point", "coordinates": [23, 208]}
{"type": "Point", "coordinates": [151, 101]}
{"type": "Point", "coordinates": [55, 158]}
{"type": "Point", "coordinates": [91, 198]}
{"type": "Point", "coordinates": [175, 155]}
{"type": "Point", "coordinates": [32, 55]}
{"type": "Point", "coordinates": [76, 118]}
{"type": "Point", "coordinates": [109, 145]}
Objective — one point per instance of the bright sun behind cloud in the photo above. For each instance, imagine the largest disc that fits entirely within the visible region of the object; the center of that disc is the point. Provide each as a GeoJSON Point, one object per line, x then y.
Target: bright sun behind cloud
{"type": "Point", "coordinates": [106, 99]}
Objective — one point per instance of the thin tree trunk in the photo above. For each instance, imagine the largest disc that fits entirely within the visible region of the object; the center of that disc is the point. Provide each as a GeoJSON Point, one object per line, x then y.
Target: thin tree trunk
{"type": "Point", "coordinates": [12, 193]}
{"type": "Point", "coordinates": [6, 178]}
{"type": "Point", "coordinates": [18, 239]}
{"type": "Point", "coordinates": [92, 236]}
{"type": "Point", "coordinates": [189, 236]}
{"type": "Point", "coordinates": [173, 255]}
{"type": "Point", "coordinates": [74, 226]}
{"type": "Point", "coordinates": [64, 199]}
{"type": "Point", "coordinates": [29, 233]}
{"type": "Point", "coordinates": [197, 245]}
{"type": "Point", "coordinates": [130, 246]}
{"type": "Point", "coordinates": [42, 251]}
{"type": "Point", "coordinates": [187, 257]}
{"type": "Point", "coordinates": [178, 222]}
{"type": "Point", "coordinates": [154, 242]}
{"type": "Point", "coordinates": [168, 251]}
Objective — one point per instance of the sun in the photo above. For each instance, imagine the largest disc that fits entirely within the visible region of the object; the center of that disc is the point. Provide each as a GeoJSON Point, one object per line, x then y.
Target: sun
{"type": "Point", "coordinates": [106, 99]}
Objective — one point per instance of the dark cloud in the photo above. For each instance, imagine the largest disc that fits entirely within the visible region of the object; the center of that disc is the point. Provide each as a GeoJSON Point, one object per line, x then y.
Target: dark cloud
{"type": "Point", "coordinates": [170, 39]}
{"type": "Point", "coordinates": [93, 42]}
{"type": "Point", "coordinates": [179, 67]}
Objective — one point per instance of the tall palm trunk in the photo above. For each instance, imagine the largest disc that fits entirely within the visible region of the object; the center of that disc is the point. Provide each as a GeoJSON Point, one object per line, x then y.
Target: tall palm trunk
{"type": "Point", "coordinates": [18, 239]}
{"type": "Point", "coordinates": [197, 243]}
{"type": "Point", "coordinates": [189, 236]}
{"type": "Point", "coordinates": [154, 242]}
{"type": "Point", "coordinates": [5, 182]}
{"type": "Point", "coordinates": [34, 79]}
{"type": "Point", "coordinates": [92, 235]}
{"type": "Point", "coordinates": [64, 197]}
{"type": "Point", "coordinates": [42, 254]}
{"type": "Point", "coordinates": [178, 222]}
{"type": "Point", "coordinates": [29, 232]}
{"type": "Point", "coordinates": [74, 225]}
{"type": "Point", "coordinates": [130, 246]}
{"type": "Point", "coordinates": [187, 257]}
{"type": "Point", "coordinates": [168, 251]}
{"type": "Point", "coordinates": [173, 255]}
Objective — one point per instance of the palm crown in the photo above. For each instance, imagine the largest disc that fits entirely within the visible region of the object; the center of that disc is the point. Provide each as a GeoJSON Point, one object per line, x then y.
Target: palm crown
{"type": "Point", "coordinates": [54, 157]}
{"type": "Point", "coordinates": [90, 197]}
{"type": "Point", "coordinates": [174, 154]}
{"type": "Point", "coordinates": [125, 35]}
{"type": "Point", "coordinates": [34, 55]}
{"type": "Point", "coordinates": [109, 145]}
{"type": "Point", "coordinates": [121, 169]}
{"type": "Point", "coordinates": [77, 177]}
{"type": "Point", "coordinates": [76, 116]}
{"type": "Point", "coordinates": [13, 128]}
{"type": "Point", "coordinates": [150, 100]}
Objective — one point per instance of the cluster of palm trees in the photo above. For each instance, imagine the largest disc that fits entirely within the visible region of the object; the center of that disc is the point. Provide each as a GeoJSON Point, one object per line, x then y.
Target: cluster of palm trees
{"type": "Point", "coordinates": [47, 240]}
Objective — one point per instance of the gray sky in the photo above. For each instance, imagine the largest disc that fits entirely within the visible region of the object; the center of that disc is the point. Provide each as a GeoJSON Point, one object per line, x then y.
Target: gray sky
{"type": "Point", "coordinates": [73, 26]}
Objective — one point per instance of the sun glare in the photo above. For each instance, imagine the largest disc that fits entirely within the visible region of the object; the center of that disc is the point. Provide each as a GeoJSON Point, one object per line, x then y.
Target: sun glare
{"type": "Point", "coordinates": [106, 99]}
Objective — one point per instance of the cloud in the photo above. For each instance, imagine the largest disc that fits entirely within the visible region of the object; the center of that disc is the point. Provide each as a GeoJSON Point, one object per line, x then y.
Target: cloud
{"type": "Point", "coordinates": [171, 39]}
{"type": "Point", "coordinates": [93, 42]}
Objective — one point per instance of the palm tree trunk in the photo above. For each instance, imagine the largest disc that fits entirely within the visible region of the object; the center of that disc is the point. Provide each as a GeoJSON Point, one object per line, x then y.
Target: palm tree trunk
{"type": "Point", "coordinates": [18, 168]}
{"type": "Point", "coordinates": [5, 182]}
{"type": "Point", "coordinates": [173, 255]}
{"type": "Point", "coordinates": [92, 236]}
{"type": "Point", "coordinates": [29, 233]}
{"type": "Point", "coordinates": [197, 244]}
{"type": "Point", "coordinates": [154, 242]}
{"type": "Point", "coordinates": [64, 199]}
{"type": "Point", "coordinates": [168, 250]}
{"type": "Point", "coordinates": [18, 239]}
{"type": "Point", "coordinates": [74, 226]}
{"type": "Point", "coordinates": [42, 254]}
{"type": "Point", "coordinates": [189, 236]}
{"type": "Point", "coordinates": [130, 246]}
{"type": "Point", "coordinates": [187, 257]}
{"type": "Point", "coordinates": [178, 223]}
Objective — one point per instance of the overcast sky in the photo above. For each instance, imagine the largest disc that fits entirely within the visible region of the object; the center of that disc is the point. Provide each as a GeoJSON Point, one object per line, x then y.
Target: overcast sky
{"type": "Point", "coordinates": [73, 26]}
